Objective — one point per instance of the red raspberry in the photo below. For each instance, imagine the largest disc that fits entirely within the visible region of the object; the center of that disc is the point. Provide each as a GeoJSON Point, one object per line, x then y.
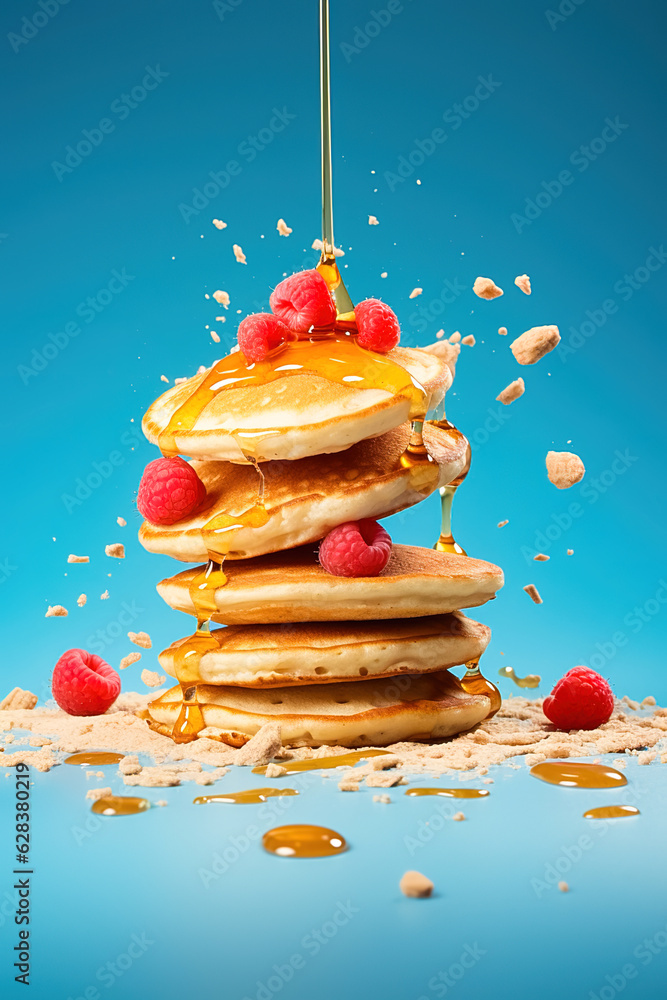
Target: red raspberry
{"type": "Point", "coordinates": [303, 300]}
{"type": "Point", "coordinates": [356, 548]}
{"type": "Point", "coordinates": [378, 326]}
{"type": "Point", "coordinates": [169, 490]}
{"type": "Point", "coordinates": [260, 333]}
{"type": "Point", "coordinates": [83, 684]}
{"type": "Point", "coordinates": [580, 700]}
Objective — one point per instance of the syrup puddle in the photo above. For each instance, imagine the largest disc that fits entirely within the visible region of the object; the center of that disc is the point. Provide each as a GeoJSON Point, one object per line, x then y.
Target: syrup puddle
{"type": "Point", "coordinates": [316, 763]}
{"type": "Point", "coordinates": [300, 840]}
{"type": "Point", "coordinates": [93, 759]}
{"type": "Point", "coordinates": [248, 797]}
{"type": "Point", "coordinates": [611, 812]}
{"type": "Point", "coordinates": [453, 793]}
{"type": "Point", "coordinates": [120, 805]}
{"type": "Point", "coordinates": [579, 775]}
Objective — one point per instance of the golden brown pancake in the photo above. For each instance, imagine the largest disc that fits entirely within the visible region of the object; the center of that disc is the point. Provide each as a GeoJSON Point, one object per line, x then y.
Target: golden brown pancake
{"type": "Point", "coordinates": [305, 499]}
{"type": "Point", "coordinates": [295, 415]}
{"type": "Point", "coordinates": [363, 713]}
{"type": "Point", "coordinates": [327, 652]}
{"type": "Point", "coordinates": [291, 586]}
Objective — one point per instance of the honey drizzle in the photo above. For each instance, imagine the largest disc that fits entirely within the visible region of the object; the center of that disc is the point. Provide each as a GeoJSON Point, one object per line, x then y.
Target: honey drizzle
{"type": "Point", "coordinates": [453, 793]}
{"type": "Point", "coordinates": [301, 840]}
{"type": "Point", "coordinates": [94, 759]}
{"type": "Point", "coordinates": [474, 682]}
{"type": "Point", "coordinates": [611, 812]}
{"type": "Point", "coordinates": [529, 681]}
{"type": "Point", "coordinates": [578, 775]}
{"type": "Point", "coordinates": [120, 805]}
{"type": "Point", "coordinates": [446, 542]}
{"type": "Point", "coordinates": [317, 763]}
{"type": "Point", "coordinates": [250, 796]}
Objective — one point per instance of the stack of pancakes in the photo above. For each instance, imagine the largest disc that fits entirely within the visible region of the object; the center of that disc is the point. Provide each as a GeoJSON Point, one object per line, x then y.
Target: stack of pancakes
{"type": "Point", "coordinates": [287, 452]}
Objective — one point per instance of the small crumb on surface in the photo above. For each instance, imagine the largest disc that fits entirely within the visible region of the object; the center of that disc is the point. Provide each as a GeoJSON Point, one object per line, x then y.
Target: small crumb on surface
{"type": "Point", "coordinates": [222, 298]}
{"type": "Point", "coordinates": [534, 344]}
{"type": "Point", "coordinates": [121, 521]}
{"type": "Point", "coordinates": [239, 254]}
{"type": "Point", "coordinates": [81, 600]}
{"type": "Point", "coordinates": [415, 292]}
{"type": "Point", "coordinates": [56, 611]}
{"type": "Point", "coordinates": [116, 550]}
{"type": "Point", "coordinates": [533, 593]}
{"type": "Point", "coordinates": [77, 559]}
{"type": "Point", "coordinates": [415, 885]}
{"type": "Point", "coordinates": [541, 557]}
{"type": "Point", "coordinates": [140, 639]}
{"type": "Point", "coordinates": [486, 288]}
{"type": "Point", "coordinates": [512, 392]}
{"type": "Point", "coordinates": [348, 785]}
{"type": "Point", "coordinates": [283, 228]}
{"type": "Point", "coordinates": [563, 886]}
{"type": "Point", "coordinates": [161, 802]}
{"type": "Point", "coordinates": [382, 797]}
{"type": "Point", "coordinates": [128, 660]}
{"type": "Point", "coordinates": [458, 816]}
{"type": "Point", "coordinates": [151, 678]}
{"type": "Point", "coordinates": [522, 281]}
{"type": "Point", "coordinates": [98, 793]}
{"type": "Point", "coordinates": [381, 779]}
{"type": "Point", "coordinates": [261, 747]}
{"type": "Point", "coordinates": [469, 341]}
{"type": "Point", "coordinates": [372, 221]}
{"type": "Point", "coordinates": [564, 469]}
{"type": "Point", "coordinates": [219, 224]}
{"type": "Point", "coordinates": [384, 761]}
{"type": "Point", "coordinates": [275, 770]}
{"type": "Point", "coordinates": [501, 524]}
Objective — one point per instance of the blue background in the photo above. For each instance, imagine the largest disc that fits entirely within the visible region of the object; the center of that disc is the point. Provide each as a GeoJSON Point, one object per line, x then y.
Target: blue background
{"type": "Point", "coordinates": [73, 406]}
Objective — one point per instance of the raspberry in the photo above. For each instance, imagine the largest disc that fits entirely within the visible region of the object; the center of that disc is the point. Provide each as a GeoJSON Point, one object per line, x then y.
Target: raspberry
{"type": "Point", "coordinates": [581, 699]}
{"type": "Point", "coordinates": [303, 300]}
{"type": "Point", "coordinates": [169, 490]}
{"type": "Point", "coordinates": [356, 548]}
{"type": "Point", "coordinates": [83, 684]}
{"type": "Point", "coordinates": [377, 325]}
{"type": "Point", "coordinates": [260, 333]}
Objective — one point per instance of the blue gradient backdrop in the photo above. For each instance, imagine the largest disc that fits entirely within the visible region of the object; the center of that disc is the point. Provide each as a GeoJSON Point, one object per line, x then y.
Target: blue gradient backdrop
{"type": "Point", "coordinates": [238, 82]}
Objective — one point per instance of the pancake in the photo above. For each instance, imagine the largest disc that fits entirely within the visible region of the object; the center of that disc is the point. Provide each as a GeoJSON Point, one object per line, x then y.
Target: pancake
{"type": "Point", "coordinates": [291, 586]}
{"type": "Point", "coordinates": [300, 413]}
{"type": "Point", "coordinates": [327, 652]}
{"type": "Point", "coordinates": [364, 713]}
{"type": "Point", "coordinates": [306, 498]}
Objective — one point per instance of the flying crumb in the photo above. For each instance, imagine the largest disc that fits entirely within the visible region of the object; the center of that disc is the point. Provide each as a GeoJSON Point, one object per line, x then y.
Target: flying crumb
{"type": "Point", "coordinates": [77, 559]}
{"type": "Point", "coordinates": [215, 336]}
{"type": "Point", "coordinates": [455, 337]}
{"type": "Point", "coordinates": [383, 797]}
{"type": "Point", "coordinates": [219, 224]}
{"type": "Point", "coordinates": [486, 288]}
{"type": "Point", "coordinates": [439, 334]}
{"type": "Point", "coordinates": [81, 600]}
{"type": "Point", "coordinates": [121, 521]}
{"type": "Point", "coordinates": [222, 298]}
{"type": "Point", "coordinates": [540, 557]}
{"type": "Point", "coordinates": [275, 771]}
{"type": "Point", "coordinates": [415, 292]}
{"type": "Point", "coordinates": [18, 699]}
{"type": "Point", "coordinates": [163, 378]}
{"type": "Point", "coordinates": [416, 885]}
{"type": "Point", "coordinates": [570, 552]}
{"type": "Point", "coordinates": [57, 611]}
{"type": "Point", "coordinates": [459, 816]}
{"type": "Point", "coordinates": [384, 274]}
{"type": "Point", "coordinates": [523, 282]}
{"type": "Point", "coordinates": [512, 392]}
{"type": "Point", "coordinates": [116, 549]}
{"type": "Point", "coordinates": [501, 524]}
{"type": "Point", "coordinates": [563, 886]}
{"type": "Point", "coordinates": [533, 593]}
{"type": "Point", "coordinates": [564, 469]}
{"type": "Point", "coordinates": [283, 228]}
{"type": "Point", "coordinates": [372, 221]}
{"type": "Point", "coordinates": [534, 344]}
{"type": "Point", "coordinates": [151, 678]}
{"type": "Point", "coordinates": [128, 660]}
{"type": "Point", "coordinates": [469, 341]}
{"type": "Point", "coordinates": [502, 330]}
{"type": "Point", "coordinates": [140, 639]}
{"type": "Point", "coordinates": [239, 254]}
{"type": "Point", "coordinates": [104, 596]}
{"type": "Point", "coordinates": [318, 245]}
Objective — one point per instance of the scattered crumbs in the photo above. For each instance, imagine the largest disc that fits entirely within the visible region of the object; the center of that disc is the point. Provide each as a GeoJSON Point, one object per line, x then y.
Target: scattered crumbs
{"type": "Point", "coordinates": [384, 274]}
{"type": "Point", "coordinates": [98, 793]}
{"type": "Point", "coordinates": [116, 550]}
{"type": "Point", "coordinates": [261, 747]}
{"type": "Point", "coordinates": [163, 378]}
{"type": "Point", "coordinates": [77, 559]}
{"type": "Point", "coordinates": [383, 797]}
{"type": "Point", "coordinates": [523, 282]}
{"type": "Point", "coordinates": [219, 224]}
{"type": "Point", "coordinates": [455, 337]}
{"type": "Point", "coordinates": [283, 228]}
{"type": "Point", "coordinates": [541, 557]}
{"type": "Point", "coordinates": [501, 524]}
{"type": "Point", "coordinates": [140, 639]}
{"type": "Point", "coordinates": [486, 288]}
{"type": "Point", "coordinates": [151, 678]}
{"type": "Point", "coordinates": [534, 344]}
{"type": "Point", "coordinates": [161, 802]}
{"type": "Point", "coordinates": [239, 254]}
{"type": "Point", "coordinates": [634, 705]}
{"type": "Point", "coordinates": [121, 521]}
{"type": "Point", "coordinates": [56, 611]}
{"type": "Point", "coordinates": [416, 885]}
{"type": "Point", "coordinates": [128, 660]}
{"type": "Point", "coordinates": [385, 761]}
{"type": "Point", "coordinates": [563, 886]}
{"type": "Point", "coordinates": [502, 330]}
{"type": "Point", "coordinates": [564, 469]}
{"type": "Point", "coordinates": [372, 221]}
{"type": "Point", "coordinates": [18, 699]}
{"type": "Point", "coordinates": [469, 341]}
{"type": "Point", "coordinates": [215, 336]}
{"type": "Point", "coordinates": [647, 701]}
{"type": "Point", "coordinates": [318, 245]}
{"type": "Point", "coordinates": [459, 816]}
{"type": "Point", "coordinates": [533, 593]}
{"type": "Point", "coordinates": [570, 552]}
{"type": "Point", "coordinates": [415, 292]}
{"type": "Point", "coordinates": [222, 298]}
{"type": "Point", "coordinates": [81, 600]}
{"type": "Point", "coordinates": [439, 334]}
{"type": "Point", "coordinates": [275, 770]}
{"type": "Point", "coordinates": [512, 392]}
{"type": "Point", "coordinates": [104, 596]}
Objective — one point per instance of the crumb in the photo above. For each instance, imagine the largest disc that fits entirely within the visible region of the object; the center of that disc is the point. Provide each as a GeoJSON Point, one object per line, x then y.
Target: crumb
{"type": "Point", "coordinates": [380, 779]}
{"type": "Point", "coordinates": [57, 611]}
{"type": "Point", "coordinates": [128, 660]}
{"type": "Point", "coordinates": [104, 596]}
{"type": "Point", "coordinates": [261, 747]}
{"type": "Point", "coordinates": [140, 639]}
{"type": "Point", "coordinates": [502, 330]}
{"type": "Point", "coordinates": [648, 700]}
{"type": "Point", "coordinates": [469, 341]}
{"type": "Point", "coordinates": [540, 557]}
{"type": "Point", "coordinates": [163, 378]}
{"type": "Point", "coordinates": [488, 781]}
{"type": "Point", "coordinates": [415, 292]}
{"type": "Point", "coordinates": [161, 802]}
{"type": "Point", "coordinates": [486, 288]}
{"type": "Point", "coordinates": [318, 245]}
{"type": "Point", "coordinates": [459, 817]}
{"type": "Point", "coordinates": [439, 334]}
{"type": "Point", "coordinates": [383, 797]}
{"type": "Point", "coordinates": [81, 600]}
{"type": "Point", "coordinates": [564, 469]}
{"type": "Point", "coordinates": [416, 885]}
{"type": "Point", "coordinates": [219, 224]}
{"type": "Point", "coordinates": [283, 228]}
{"type": "Point", "coordinates": [222, 298]}
{"type": "Point", "coordinates": [98, 793]}
{"type": "Point", "coordinates": [77, 559]}
{"type": "Point", "coordinates": [215, 336]}
{"type": "Point", "coordinates": [384, 274]}
{"type": "Point", "coordinates": [239, 254]}
{"type": "Point", "coordinates": [372, 221]}
{"type": "Point", "coordinates": [129, 765]}
{"type": "Point", "coordinates": [18, 699]}
{"type": "Point", "coordinates": [570, 552]}
{"type": "Point", "coordinates": [532, 592]}
{"type": "Point", "coordinates": [275, 771]}
{"type": "Point", "coordinates": [179, 381]}
{"type": "Point", "coordinates": [455, 337]}
{"type": "Point", "coordinates": [151, 678]}
{"type": "Point", "coordinates": [563, 886]}
{"type": "Point", "coordinates": [523, 282]}
{"type": "Point", "coordinates": [501, 524]}
{"type": "Point", "coordinates": [384, 761]}
{"type": "Point", "coordinates": [347, 785]}
{"type": "Point", "coordinates": [534, 344]}
{"type": "Point", "coordinates": [634, 705]}
{"type": "Point", "coordinates": [619, 762]}
{"type": "Point", "coordinates": [202, 369]}
{"type": "Point", "coordinates": [512, 392]}
{"type": "Point", "coordinates": [121, 521]}
{"type": "Point", "coordinates": [116, 550]}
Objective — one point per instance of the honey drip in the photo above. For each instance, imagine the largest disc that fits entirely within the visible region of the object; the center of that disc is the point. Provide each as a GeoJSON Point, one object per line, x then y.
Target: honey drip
{"type": "Point", "coordinates": [250, 796]}
{"type": "Point", "coordinates": [453, 793]}
{"type": "Point", "coordinates": [424, 471]}
{"type": "Point", "coordinates": [579, 775]}
{"type": "Point", "coordinates": [611, 812]}
{"type": "Point", "coordinates": [529, 681]}
{"type": "Point", "coordinates": [94, 759]}
{"type": "Point", "coordinates": [190, 720]}
{"type": "Point", "coordinates": [120, 805]}
{"type": "Point", "coordinates": [318, 763]}
{"type": "Point", "coordinates": [474, 682]}
{"type": "Point", "coordinates": [446, 542]}
{"type": "Point", "coordinates": [300, 840]}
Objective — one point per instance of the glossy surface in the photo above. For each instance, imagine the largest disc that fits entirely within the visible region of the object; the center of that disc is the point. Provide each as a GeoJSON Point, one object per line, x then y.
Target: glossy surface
{"type": "Point", "coordinates": [93, 759]}
{"type": "Point", "coordinates": [324, 763]}
{"type": "Point", "coordinates": [574, 775]}
{"type": "Point", "coordinates": [120, 805]}
{"type": "Point", "coordinates": [611, 812]}
{"type": "Point", "coordinates": [450, 793]}
{"type": "Point", "coordinates": [302, 840]}
{"type": "Point", "coordinates": [249, 796]}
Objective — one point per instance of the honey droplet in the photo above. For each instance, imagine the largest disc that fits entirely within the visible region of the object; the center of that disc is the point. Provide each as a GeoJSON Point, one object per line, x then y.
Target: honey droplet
{"type": "Point", "coordinates": [120, 805]}
{"type": "Point", "coordinates": [316, 763]}
{"type": "Point", "coordinates": [300, 840]}
{"type": "Point", "coordinates": [474, 682]}
{"type": "Point", "coordinates": [190, 719]}
{"type": "Point", "coordinates": [578, 775]}
{"type": "Point", "coordinates": [94, 759]}
{"type": "Point", "coordinates": [453, 793]}
{"type": "Point", "coordinates": [248, 797]}
{"type": "Point", "coordinates": [529, 681]}
{"type": "Point", "coordinates": [611, 812]}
